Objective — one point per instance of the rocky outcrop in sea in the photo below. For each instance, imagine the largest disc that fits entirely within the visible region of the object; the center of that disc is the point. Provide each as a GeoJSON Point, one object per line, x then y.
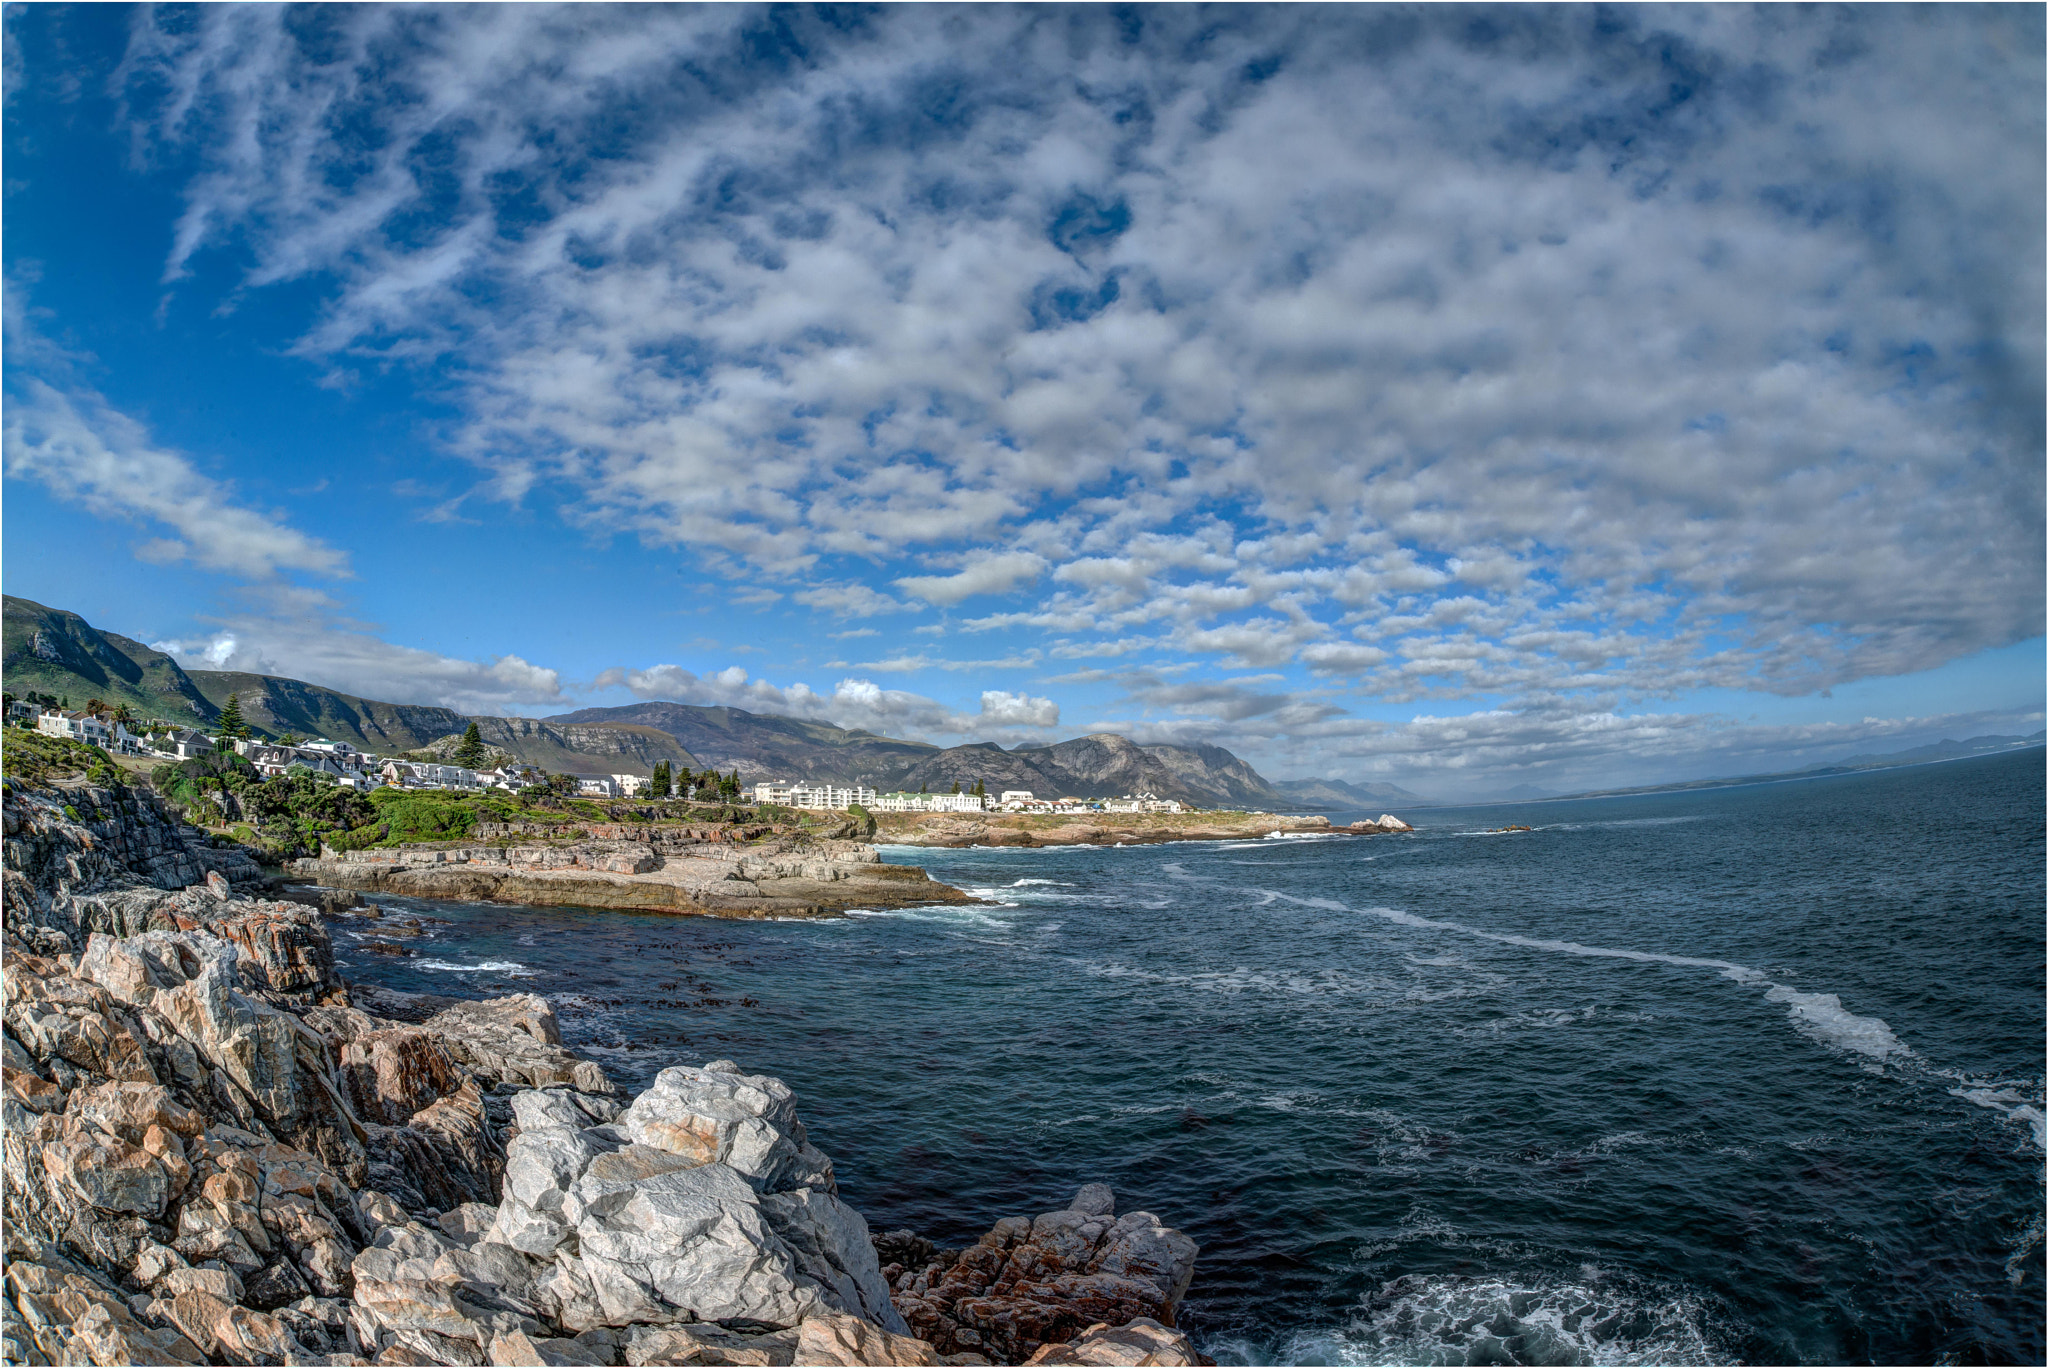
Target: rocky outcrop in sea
{"type": "Point", "coordinates": [216, 1152]}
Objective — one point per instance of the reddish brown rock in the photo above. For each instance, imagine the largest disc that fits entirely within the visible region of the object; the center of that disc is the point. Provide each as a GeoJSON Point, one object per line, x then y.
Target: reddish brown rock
{"type": "Point", "coordinates": [1031, 1283]}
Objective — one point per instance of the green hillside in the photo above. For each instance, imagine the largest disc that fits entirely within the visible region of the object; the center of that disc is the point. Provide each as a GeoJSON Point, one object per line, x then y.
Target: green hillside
{"type": "Point", "coordinates": [54, 652]}
{"type": "Point", "coordinates": [278, 707]}
{"type": "Point", "coordinates": [47, 650]}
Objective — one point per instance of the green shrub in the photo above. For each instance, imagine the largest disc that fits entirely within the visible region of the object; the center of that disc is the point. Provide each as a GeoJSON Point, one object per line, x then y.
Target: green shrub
{"type": "Point", "coordinates": [71, 812]}
{"type": "Point", "coordinates": [35, 758]}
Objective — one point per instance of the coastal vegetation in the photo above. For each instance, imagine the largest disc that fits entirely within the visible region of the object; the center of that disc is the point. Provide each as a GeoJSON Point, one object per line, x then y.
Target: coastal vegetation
{"type": "Point", "coordinates": [35, 758]}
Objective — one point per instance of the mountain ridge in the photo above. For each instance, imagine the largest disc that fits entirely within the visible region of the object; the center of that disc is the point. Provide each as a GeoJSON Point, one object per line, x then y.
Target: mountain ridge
{"type": "Point", "coordinates": [58, 652]}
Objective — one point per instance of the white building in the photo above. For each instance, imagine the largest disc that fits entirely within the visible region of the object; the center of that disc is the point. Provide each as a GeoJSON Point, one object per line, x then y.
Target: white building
{"type": "Point", "coordinates": [926, 802]}
{"type": "Point", "coordinates": [596, 786]}
{"type": "Point", "coordinates": [1142, 802]}
{"type": "Point", "coordinates": [182, 743]}
{"type": "Point", "coordinates": [103, 732]}
{"type": "Point", "coordinates": [1015, 796]}
{"type": "Point", "coordinates": [814, 797]}
{"type": "Point", "coordinates": [418, 774]}
{"type": "Point", "coordinates": [631, 784]}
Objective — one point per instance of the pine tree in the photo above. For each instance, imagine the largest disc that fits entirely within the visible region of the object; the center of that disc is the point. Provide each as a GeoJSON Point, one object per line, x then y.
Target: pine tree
{"type": "Point", "coordinates": [956, 786]}
{"type": "Point", "coordinates": [470, 753]}
{"type": "Point", "coordinates": [924, 788]}
{"type": "Point", "coordinates": [682, 781]}
{"type": "Point", "coordinates": [657, 787]}
{"type": "Point", "coordinates": [231, 727]}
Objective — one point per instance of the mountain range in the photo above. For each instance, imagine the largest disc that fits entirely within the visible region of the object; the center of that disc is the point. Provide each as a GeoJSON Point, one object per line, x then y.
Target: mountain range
{"type": "Point", "coordinates": [1336, 793]}
{"type": "Point", "coordinates": [51, 651]}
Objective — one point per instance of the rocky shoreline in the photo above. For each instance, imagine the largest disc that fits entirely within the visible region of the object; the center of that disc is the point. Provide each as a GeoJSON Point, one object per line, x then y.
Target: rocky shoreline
{"type": "Point", "coordinates": [719, 871]}
{"type": "Point", "coordinates": [217, 1151]}
{"type": "Point", "coordinates": [963, 831]}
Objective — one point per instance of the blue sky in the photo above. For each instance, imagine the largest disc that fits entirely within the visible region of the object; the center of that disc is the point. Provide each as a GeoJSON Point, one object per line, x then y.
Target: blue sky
{"type": "Point", "coordinates": [1454, 396]}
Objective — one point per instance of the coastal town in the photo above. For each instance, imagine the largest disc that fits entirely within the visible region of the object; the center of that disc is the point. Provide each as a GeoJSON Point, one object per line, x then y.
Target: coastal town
{"type": "Point", "coordinates": [338, 762]}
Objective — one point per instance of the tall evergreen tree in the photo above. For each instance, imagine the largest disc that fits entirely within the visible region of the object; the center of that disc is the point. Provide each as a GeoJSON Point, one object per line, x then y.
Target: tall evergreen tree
{"type": "Point", "coordinates": [470, 753]}
{"type": "Point", "coordinates": [231, 726]}
{"type": "Point", "coordinates": [657, 787]}
{"type": "Point", "coordinates": [683, 781]}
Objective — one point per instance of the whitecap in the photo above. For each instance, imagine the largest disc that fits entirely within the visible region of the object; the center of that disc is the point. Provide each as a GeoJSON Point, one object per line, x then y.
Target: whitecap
{"type": "Point", "coordinates": [2010, 1104]}
{"type": "Point", "coordinates": [510, 968]}
{"type": "Point", "coordinates": [1822, 1016]}
{"type": "Point", "coordinates": [1445, 1318]}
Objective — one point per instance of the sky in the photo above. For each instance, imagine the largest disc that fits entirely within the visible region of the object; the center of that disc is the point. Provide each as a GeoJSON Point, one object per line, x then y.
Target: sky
{"type": "Point", "coordinates": [1451, 396]}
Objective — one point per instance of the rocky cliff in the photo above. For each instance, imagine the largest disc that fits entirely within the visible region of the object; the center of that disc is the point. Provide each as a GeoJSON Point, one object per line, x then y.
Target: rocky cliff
{"type": "Point", "coordinates": [214, 1152]}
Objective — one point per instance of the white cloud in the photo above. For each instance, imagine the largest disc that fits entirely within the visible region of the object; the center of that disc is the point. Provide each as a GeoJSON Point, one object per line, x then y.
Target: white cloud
{"type": "Point", "coordinates": [851, 600]}
{"type": "Point", "coordinates": [1000, 709]}
{"type": "Point", "coordinates": [992, 575]}
{"type": "Point", "coordinates": [348, 657]}
{"type": "Point", "coordinates": [1483, 351]}
{"type": "Point", "coordinates": [85, 452]}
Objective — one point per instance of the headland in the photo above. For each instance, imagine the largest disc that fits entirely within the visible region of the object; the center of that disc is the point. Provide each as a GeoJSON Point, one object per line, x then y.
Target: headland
{"type": "Point", "coordinates": [962, 830]}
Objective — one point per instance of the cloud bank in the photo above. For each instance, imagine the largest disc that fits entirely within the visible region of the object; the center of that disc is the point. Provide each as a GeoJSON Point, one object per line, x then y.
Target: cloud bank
{"type": "Point", "coordinates": [1453, 353]}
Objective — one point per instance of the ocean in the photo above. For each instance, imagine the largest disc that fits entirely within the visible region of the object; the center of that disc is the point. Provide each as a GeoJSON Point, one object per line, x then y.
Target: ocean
{"type": "Point", "coordinates": [1743, 1075]}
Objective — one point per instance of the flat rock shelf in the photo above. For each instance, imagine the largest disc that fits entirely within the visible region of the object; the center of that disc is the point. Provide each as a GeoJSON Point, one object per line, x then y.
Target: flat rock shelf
{"type": "Point", "coordinates": [709, 871]}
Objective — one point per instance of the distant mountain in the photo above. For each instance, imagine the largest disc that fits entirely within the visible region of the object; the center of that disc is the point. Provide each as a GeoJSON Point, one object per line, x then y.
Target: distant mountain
{"type": "Point", "coordinates": [51, 651]}
{"type": "Point", "coordinates": [278, 706]}
{"type": "Point", "coordinates": [1919, 755]}
{"type": "Point", "coordinates": [1945, 750]}
{"type": "Point", "coordinates": [1336, 793]}
{"type": "Point", "coordinates": [760, 746]}
{"type": "Point", "coordinates": [1528, 793]}
{"type": "Point", "coordinates": [1101, 766]}
{"type": "Point", "coordinates": [47, 650]}
{"type": "Point", "coordinates": [569, 748]}
{"type": "Point", "coordinates": [59, 653]}
{"type": "Point", "coordinates": [768, 747]}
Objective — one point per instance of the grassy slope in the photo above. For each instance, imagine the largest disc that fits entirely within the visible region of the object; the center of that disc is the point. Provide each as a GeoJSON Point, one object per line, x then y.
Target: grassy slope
{"type": "Point", "coordinates": [90, 663]}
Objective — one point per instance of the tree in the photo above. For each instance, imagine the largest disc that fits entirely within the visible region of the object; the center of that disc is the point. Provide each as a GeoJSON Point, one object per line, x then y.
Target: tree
{"type": "Point", "coordinates": [980, 789]}
{"type": "Point", "coordinates": [93, 707]}
{"type": "Point", "coordinates": [230, 726]}
{"type": "Point", "coordinates": [956, 786]}
{"type": "Point", "coordinates": [924, 788]}
{"type": "Point", "coordinates": [657, 787]}
{"type": "Point", "coordinates": [682, 781]}
{"type": "Point", "coordinates": [124, 714]}
{"type": "Point", "coordinates": [470, 754]}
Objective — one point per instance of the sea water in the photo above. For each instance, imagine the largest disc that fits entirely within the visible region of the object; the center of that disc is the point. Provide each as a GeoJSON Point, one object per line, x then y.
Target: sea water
{"type": "Point", "coordinates": [1749, 1074]}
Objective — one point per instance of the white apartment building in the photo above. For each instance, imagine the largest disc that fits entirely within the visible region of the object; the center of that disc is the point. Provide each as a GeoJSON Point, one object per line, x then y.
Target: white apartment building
{"type": "Point", "coordinates": [596, 786]}
{"type": "Point", "coordinates": [1016, 796]}
{"type": "Point", "coordinates": [926, 802]}
{"type": "Point", "coordinates": [631, 784]}
{"type": "Point", "coordinates": [814, 797]}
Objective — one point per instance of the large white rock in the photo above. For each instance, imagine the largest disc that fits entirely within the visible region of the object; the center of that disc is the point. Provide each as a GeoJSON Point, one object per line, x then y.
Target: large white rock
{"type": "Point", "coordinates": [703, 1201]}
{"type": "Point", "coordinates": [829, 1240]}
{"type": "Point", "coordinates": [718, 1115]}
{"type": "Point", "coordinates": [689, 1240]}
{"type": "Point", "coordinates": [541, 1165]}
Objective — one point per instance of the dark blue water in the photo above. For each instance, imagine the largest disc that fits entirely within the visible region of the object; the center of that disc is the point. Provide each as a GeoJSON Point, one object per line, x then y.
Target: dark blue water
{"type": "Point", "coordinates": [1752, 1074]}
